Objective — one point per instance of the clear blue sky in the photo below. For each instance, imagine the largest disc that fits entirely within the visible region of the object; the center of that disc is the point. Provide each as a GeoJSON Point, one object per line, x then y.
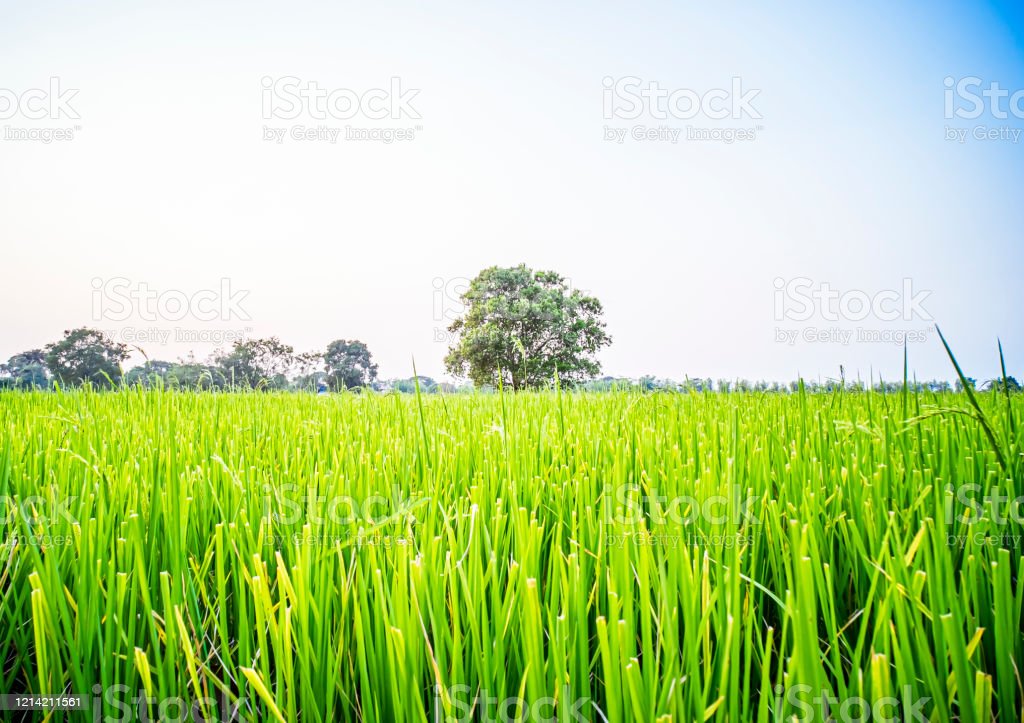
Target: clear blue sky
{"type": "Point", "coordinates": [853, 179]}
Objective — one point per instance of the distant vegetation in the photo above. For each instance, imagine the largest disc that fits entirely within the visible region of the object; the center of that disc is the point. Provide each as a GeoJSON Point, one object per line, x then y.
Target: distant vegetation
{"type": "Point", "coordinates": [522, 329]}
{"type": "Point", "coordinates": [88, 357]}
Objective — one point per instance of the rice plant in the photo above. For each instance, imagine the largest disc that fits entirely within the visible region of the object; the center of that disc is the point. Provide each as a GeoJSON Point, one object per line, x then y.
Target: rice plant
{"type": "Point", "coordinates": [531, 556]}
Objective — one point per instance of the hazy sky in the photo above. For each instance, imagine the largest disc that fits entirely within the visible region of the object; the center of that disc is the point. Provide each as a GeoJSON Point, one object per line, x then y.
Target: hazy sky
{"type": "Point", "coordinates": [854, 168]}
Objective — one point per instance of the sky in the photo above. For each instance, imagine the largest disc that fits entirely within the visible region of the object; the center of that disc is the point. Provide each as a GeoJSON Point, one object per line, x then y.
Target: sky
{"type": "Point", "coordinates": [752, 191]}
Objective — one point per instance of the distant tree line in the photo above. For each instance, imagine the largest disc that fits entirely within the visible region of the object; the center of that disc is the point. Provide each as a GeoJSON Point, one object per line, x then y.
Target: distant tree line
{"type": "Point", "coordinates": [521, 329]}
{"type": "Point", "coordinates": [654, 384]}
{"type": "Point", "coordinates": [88, 356]}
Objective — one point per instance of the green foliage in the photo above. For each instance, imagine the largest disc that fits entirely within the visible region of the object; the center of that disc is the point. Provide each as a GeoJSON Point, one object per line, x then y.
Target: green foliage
{"type": "Point", "coordinates": [86, 355]}
{"type": "Point", "coordinates": [349, 364]}
{"type": "Point", "coordinates": [182, 544]}
{"type": "Point", "coordinates": [1009, 384]}
{"type": "Point", "coordinates": [257, 364]}
{"type": "Point", "coordinates": [151, 373]}
{"type": "Point", "coordinates": [427, 385]}
{"type": "Point", "coordinates": [186, 374]}
{"type": "Point", "coordinates": [522, 327]}
{"type": "Point", "coordinates": [25, 370]}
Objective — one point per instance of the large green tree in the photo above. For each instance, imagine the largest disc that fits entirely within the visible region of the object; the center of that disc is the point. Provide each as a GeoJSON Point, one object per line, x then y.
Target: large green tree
{"type": "Point", "coordinates": [86, 355]}
{"type": "Point", "coordinates": [521, 327]}
{"type": "Point", "coordinates": [349, 364]}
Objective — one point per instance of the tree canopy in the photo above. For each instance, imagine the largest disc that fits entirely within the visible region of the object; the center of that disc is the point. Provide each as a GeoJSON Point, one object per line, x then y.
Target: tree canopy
{"type": "Point", "coordinates": [258, 363]}
{"type": "Point", "coordinates": [349, 364]}
{"type": "Point", "coordinates": [521, 327]}
{"type": "Point", "coordinates": [86, 355]}
{"type": "Point", "coordinates": [27, 369]}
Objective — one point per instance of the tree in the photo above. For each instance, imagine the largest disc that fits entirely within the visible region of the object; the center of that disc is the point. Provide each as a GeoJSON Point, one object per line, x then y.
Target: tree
{"type": "Point", "coordinates": [522, 326]}
{"type": "Point", "coordinates": [27, 369]}
{"type": "Point", "coordinates": [86, 355]}
{"type": "Point", "coordinates": [257, 363]}
{"type": "Point", "coordinates": [349, 364]}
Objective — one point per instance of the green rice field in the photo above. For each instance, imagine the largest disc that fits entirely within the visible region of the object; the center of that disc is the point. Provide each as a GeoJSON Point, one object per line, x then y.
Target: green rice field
{"type": "Point", "coordinates": [531, 556]}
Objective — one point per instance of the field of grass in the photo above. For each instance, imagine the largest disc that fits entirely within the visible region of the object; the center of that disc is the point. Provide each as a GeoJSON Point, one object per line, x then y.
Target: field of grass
{"type": "Point", "coordinates": [662, 557]}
